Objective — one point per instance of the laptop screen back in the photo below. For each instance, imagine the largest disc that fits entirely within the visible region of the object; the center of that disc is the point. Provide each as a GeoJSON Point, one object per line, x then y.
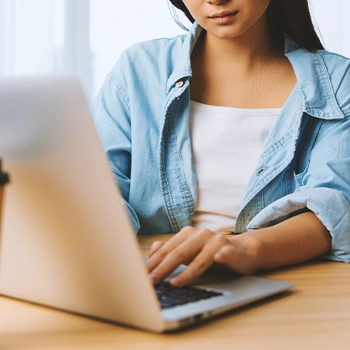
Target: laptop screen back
{"type": "Point", "coordinates": [67, 241]}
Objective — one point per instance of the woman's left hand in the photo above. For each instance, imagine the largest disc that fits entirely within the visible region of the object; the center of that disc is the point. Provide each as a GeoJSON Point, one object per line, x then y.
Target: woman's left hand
{"type": "Point", "coordinates": [201, 249]}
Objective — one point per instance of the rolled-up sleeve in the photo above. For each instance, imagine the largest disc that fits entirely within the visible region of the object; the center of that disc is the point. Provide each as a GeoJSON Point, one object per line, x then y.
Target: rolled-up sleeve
{"type": "Point", "coordinates": [323, 188]}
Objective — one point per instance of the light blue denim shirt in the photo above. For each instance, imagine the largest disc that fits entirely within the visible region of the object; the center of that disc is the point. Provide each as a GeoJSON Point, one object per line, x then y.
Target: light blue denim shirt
{"type": "Point", "coordinates": [141, 115]}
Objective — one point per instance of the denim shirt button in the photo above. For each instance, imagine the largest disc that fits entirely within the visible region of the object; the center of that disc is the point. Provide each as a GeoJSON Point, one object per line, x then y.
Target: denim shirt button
{"type": "Point", "coordinates": [179, 84]}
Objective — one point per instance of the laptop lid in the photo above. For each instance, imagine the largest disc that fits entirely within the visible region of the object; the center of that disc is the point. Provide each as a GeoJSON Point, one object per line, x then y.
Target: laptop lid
{"type": "Point", "coordinates": [66, 239]}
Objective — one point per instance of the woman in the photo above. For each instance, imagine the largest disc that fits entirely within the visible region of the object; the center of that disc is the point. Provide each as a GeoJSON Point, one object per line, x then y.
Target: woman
{"type": "Point", "coordinates": [243, 126]}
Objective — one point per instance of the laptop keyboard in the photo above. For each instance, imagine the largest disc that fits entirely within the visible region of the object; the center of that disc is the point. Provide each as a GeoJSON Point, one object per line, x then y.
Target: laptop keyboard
{"type": "Point", "coordinates": [169, 296]}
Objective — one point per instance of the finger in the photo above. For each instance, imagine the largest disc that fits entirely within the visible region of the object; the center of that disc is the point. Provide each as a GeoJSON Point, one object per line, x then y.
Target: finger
{"type": "Point", "coordinates": [169, 246]}
{"type": "Point", "coordinates": [202, 262]}
{"type": "Point", "coordinates": [234, 258]}
{"type": "Point", "coordinates": [184, 252]}
{"type": "Point", "coordinates": [155, 246]}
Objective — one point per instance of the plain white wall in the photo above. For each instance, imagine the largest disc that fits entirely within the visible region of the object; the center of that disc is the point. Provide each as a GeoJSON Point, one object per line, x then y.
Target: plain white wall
{"type": "Point", "coordinates": [332, 19]}
{"type": "Point", "coordinates": [29, 34]}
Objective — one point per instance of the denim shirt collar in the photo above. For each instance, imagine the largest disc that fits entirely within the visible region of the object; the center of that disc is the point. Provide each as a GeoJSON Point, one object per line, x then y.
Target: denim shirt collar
{"type": "Point", "coordinates": [183, 70]}
{"type": "Point", "coordinates": [313, 81]}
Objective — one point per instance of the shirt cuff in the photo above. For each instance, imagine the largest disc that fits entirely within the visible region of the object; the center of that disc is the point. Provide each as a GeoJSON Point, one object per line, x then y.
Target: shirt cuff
{"type": "Point", "coordinates": [330, 207]}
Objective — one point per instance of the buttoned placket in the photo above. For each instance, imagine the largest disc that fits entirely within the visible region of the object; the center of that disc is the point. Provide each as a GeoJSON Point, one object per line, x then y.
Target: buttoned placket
{"type": "Point", "coordinates": [179, 208]}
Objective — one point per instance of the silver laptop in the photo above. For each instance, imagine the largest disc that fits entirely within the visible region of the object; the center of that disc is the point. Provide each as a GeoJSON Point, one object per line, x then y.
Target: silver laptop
{"type": "Point", "coordinates": [66, 240]}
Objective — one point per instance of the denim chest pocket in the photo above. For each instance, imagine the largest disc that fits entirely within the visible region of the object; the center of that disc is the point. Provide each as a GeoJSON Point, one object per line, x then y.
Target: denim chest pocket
{"type": "Point", "coordinates": [302, 164]}
{"type": "Point", "coordinates": [294, 179]}
{"type": "Point", "coordinates": [304, 151]}
{"type": "Point", "coordinates": [299, 177]}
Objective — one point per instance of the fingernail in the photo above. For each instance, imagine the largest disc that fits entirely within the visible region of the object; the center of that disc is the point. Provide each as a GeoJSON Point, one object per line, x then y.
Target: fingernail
{"type": "Point", "coordinates": [177, 282]}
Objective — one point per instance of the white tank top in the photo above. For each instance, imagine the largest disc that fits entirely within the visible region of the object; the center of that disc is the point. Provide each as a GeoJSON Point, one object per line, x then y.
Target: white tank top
{"type": "Point", "coordinates": [226, 145]}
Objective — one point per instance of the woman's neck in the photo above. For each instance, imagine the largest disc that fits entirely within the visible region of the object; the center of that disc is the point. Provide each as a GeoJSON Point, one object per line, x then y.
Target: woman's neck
{"type": "Point", "coordinates": [246, 72]}
{"type": "Point", "coordinates": [246, 51]}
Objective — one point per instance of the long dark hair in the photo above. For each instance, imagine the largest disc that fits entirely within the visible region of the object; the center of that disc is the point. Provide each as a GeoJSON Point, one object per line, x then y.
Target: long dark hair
{"type": "Point", "coordinates": [283, 16]}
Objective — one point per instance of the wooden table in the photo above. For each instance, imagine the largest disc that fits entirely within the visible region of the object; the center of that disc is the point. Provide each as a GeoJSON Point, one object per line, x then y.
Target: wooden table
{"type": "Point", "coordinates": [314, 315]}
